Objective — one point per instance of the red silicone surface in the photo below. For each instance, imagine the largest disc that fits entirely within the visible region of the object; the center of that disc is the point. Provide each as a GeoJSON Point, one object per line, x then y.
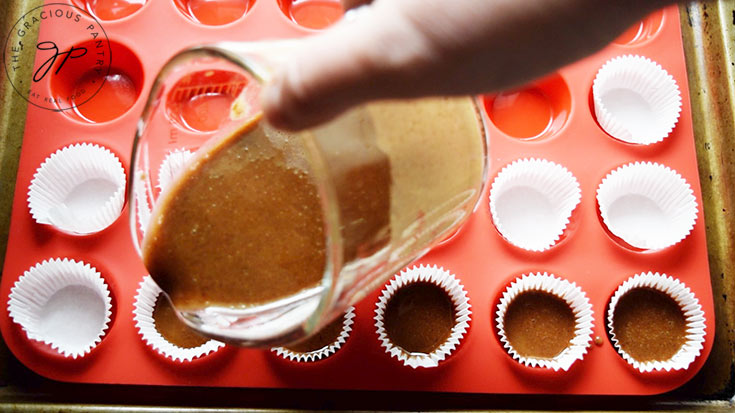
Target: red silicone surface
{"type": "Point", "coordinates": [556, 111]}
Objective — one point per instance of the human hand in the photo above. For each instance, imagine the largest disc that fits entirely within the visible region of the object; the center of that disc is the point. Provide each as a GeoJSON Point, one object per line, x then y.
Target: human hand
{"type": "Point", "coordinates": [413, 48]}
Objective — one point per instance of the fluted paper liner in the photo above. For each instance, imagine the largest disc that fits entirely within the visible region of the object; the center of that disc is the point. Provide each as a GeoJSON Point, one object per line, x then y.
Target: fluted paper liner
{"type": "Point", "coordinates": [648, 205]}
{"type": "Point", "coordinates": [449, 283]}
{"type": "Point", "coordinates": [625, 79]}
{"type": "Point", "coordinates": [171, 166]}
{"type": "Point", "coordinates": [693, 314]}
{"type": "Point", "coordinates": [63, 303]}
{"type": "Point", "coordinates": [142, 207]}
{"type": "Point", "coordinates": [145, 302]}
{"type": "Point", "coordinates": [325, 351]}
{"type": "Point", "coordinates": [63, 174]}
{"type": "Point", "coordinates": [531, 202]}
{"type": "Point", "coordinates": [572, 295]}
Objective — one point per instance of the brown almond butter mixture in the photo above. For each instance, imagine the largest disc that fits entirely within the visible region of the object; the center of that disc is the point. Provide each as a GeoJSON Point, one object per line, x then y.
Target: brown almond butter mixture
{"type": "Point", "coordinates": [173, 329]}
{"type": "Point", "coordinates": [323, 338]}
{"type": "Point", "coordinates": [539, 324]}
{"type": "Point", "coordinates": [419, 317]}
{"type": "Point", "coordinates": [649, 325]}
{"type": "Point", "coordinates": [242, 227]}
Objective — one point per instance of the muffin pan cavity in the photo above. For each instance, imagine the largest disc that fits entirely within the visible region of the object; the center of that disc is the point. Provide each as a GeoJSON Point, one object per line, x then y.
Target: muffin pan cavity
{"type": "Point", "coordinates": [201, 101]}
{"type": "Point", "coordinates": [214, 12]}
{"type": "Point", "coordinates": [97, 91]}
{"type": "Point", "coordinates": [312, 14]}
{"type": "Point", "coordinates": [537, 111]}
{"type": "Point", "coordinates": [111, 10]}
{"type": "Point", "coordinates": [642, 31]}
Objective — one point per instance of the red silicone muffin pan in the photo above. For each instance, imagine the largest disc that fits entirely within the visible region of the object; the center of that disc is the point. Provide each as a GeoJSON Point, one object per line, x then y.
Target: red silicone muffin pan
{"type": "Point", "coordinates": [552, 119]}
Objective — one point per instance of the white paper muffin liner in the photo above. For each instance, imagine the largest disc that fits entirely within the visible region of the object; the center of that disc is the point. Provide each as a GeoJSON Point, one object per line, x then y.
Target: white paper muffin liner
{"type": "Point", "coordinates": [449, 283]}
{"type": "Point", "coordinates": [171, 166]}
{"type": "Point", "coordinates": [572, 295]}
{"type": "Point", "coordinates": [323, 352]}
{"type": "Point", "coordinates": [145, 302]}
{"type": "Point", "coordinates": [79, 189]}
{"type": "Point", "coordinates": [693, 314]}
{"type": "Point", "coordinates": [636, 100]}
{"type": "Point", "coordinates": [142, 207]}
{"type": "Point", "coordinates": [63, 303]}
{"type": "Point", "coordinates": [647, 205]}
{"type": "Point", "coordinates": [531, 202]}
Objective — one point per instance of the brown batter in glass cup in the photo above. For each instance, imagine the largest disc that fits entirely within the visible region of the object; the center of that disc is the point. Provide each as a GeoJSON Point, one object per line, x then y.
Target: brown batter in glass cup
{"type": "Point", "coordinates": [265, 237]}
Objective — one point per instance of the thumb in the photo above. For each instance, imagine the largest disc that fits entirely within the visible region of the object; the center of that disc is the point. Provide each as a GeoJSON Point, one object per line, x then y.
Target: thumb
{"type": "Point", "coordinates": [361, 58]}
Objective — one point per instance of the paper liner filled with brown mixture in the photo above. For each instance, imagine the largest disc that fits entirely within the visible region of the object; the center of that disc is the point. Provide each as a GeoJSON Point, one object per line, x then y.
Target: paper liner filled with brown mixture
{"type": "Point", "coordinates": [422, 315]}
{"type": "Point", "coordinates": [656, 323]}
{"type": "Point", "coordinates": [159, 327]}
{"type": "Point", "coordinates": [544, 321]}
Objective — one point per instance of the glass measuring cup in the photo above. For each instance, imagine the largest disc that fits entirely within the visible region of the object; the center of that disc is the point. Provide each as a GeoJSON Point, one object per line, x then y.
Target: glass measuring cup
{"type": "Point", "coordinates": [260, 237]}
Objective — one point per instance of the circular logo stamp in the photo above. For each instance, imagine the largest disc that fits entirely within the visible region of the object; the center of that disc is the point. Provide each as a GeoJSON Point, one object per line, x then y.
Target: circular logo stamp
{"type": "Point", "coordinates": [66, 51]}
